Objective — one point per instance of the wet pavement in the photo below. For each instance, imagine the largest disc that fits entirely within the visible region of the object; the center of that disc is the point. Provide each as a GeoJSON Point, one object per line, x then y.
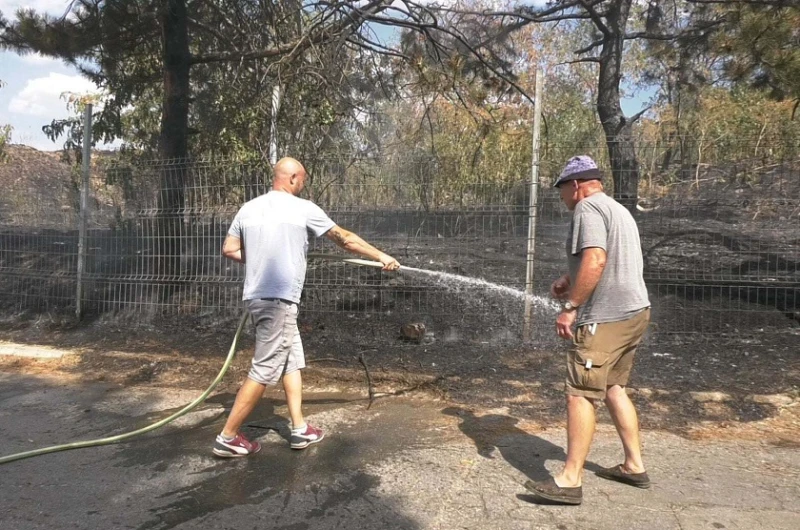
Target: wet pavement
{"type": "Point", "coordinates": [406, 463]}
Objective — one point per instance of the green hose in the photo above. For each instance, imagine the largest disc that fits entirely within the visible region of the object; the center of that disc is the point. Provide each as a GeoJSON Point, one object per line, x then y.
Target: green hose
{"type": "Point", "coordinates": [160, 423]}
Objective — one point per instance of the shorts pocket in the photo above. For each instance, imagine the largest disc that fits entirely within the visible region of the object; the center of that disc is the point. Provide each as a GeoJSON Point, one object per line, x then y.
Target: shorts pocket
{"type": "Point", "coordinates": [588, 369]}
{"type": "Point", "coordinates": [582, 338]}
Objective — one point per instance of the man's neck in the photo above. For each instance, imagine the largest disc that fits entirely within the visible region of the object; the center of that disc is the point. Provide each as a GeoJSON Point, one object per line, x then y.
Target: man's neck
{"type": "Point", "coordinates": [588, 192]}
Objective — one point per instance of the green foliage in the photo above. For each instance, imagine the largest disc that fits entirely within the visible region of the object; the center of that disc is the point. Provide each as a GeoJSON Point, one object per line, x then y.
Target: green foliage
{"type": "Point", "coordinates": [5, 139]}
{"type": "Point", "coordinates": [761, 46]}
{"type": "Point", "coordinates": [444, 104]}
{"type": "Point", "coordinates": [326, 89]}
{"type": "Point", "coordinates": [5, 131]}
{"type": "Point", "coordinates": [745, 43]}
{"type": "Point", "coordinates": [72, 127]}
{"type": "Point", "coordinates": [726, 127]}
{"type": "Point", "coordinates": [114, 43]}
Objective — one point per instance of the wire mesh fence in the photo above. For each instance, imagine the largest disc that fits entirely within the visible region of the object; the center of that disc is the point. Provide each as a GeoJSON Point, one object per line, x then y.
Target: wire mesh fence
{"type": "Point", "coordinates": [721, 241]}
{"type": "Point", "coordinates": [720, 235]}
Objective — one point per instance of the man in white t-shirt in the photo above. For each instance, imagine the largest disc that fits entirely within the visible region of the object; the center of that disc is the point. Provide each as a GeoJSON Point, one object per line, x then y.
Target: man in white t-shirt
{"type": "Point", "coordinates": [270, 236]}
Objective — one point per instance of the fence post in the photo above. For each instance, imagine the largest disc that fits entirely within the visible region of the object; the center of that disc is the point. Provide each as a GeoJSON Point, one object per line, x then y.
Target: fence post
{"type": "Point", "coordinates": [273, 128]}
{"type": "Point", "coordinates": [83, 214]}
{"type": "Point", "coordinates": [532, 204]}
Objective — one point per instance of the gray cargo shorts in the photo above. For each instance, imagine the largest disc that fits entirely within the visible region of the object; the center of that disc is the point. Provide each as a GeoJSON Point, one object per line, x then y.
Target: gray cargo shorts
{"type": "Point", "coordinates": [278, 350]}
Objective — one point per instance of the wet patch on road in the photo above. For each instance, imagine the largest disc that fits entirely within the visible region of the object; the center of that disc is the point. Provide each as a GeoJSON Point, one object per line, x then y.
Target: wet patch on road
{"type": "Point", "coordinates": [199, 484]}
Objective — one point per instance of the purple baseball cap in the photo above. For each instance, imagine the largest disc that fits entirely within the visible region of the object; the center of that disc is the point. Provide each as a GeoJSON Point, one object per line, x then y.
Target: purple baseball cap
{"type": "Point", "coordinates": [579, 168]}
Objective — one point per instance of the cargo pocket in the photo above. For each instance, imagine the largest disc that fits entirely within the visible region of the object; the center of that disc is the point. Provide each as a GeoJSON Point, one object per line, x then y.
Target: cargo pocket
{"type": "Point", "coordinates": [590, 370]}
{"type": "Point", "coordinates": [587, 366]}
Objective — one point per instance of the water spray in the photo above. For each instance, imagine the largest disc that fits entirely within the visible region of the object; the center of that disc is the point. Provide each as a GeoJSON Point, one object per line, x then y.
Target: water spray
{"type": "Point", "coordinates": [472, 282]}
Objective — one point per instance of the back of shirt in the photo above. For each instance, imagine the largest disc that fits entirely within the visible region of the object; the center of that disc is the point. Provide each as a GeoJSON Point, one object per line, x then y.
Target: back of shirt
{"type": "Point", "coordinates": [600, 221]}
{"type": "Point", "coordinates": [274, 232]}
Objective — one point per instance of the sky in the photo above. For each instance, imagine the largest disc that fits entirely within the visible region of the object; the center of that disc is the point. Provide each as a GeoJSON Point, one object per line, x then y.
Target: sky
{"type": "Point", "coordinates": [34, 85]}
{"type": "Point", "coordinates": [31, 96]}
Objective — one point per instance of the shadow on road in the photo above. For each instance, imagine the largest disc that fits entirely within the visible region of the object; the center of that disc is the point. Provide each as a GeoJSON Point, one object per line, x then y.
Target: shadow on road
{"type": "Point", "coordinates": [498, 433]}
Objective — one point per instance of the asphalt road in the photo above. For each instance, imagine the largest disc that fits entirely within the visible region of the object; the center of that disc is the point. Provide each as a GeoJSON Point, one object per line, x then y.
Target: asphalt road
{"type": "Point", "coordinates": [406, 463]}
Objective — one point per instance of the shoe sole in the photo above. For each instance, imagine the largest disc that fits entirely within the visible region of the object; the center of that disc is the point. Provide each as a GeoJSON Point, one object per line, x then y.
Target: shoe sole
{"type": "Point", "coordinates": [622, 480]}
{"type": "Point", "coordinates": [635, 485]}
{"type": "Point", "coordinates": [554, 498]}
{"type": "Point", "coordinates": [309, 442]}
{"type": "Point", "coordinates": [227, 454]}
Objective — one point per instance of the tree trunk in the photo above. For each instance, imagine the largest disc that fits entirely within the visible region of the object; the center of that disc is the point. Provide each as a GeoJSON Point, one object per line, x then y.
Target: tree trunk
{"type": "Point", "coordinates": [173, 142]}
{"type": "Point", "coordinates": [618, 129]}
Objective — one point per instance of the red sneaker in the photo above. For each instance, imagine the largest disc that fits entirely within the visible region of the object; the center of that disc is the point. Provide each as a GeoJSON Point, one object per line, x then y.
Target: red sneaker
{"type": "Point", "coordinates": [239, 446]}
{"type": "Point", "coordinates": [310, 436]}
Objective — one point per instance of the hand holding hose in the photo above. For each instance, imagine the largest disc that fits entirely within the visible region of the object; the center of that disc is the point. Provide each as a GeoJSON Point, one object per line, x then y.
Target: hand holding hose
{"type": "Point", "coordinates": [389, 263]}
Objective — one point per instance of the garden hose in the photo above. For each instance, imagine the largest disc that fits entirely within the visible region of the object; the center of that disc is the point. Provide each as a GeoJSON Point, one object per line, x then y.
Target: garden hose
{"type": "Point", "coordinates": [128, 435]}
{"type": "Point", "coordinates": [184, 410]}
{"type": "Point", "coordinates": [353, 261]}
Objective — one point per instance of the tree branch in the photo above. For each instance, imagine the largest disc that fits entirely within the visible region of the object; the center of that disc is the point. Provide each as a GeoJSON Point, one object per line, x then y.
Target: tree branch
{"type": "Point", "coordinates": [650, 36]}
{"type": "Point", "coordinates": [222, 38]}
{"type": "Point", "coordinates": [583, 60]}
{"type": "Point", "coordinates": [370, 388]}
{"type": "Point", "coordinates": [491, 68]}
{"type": "Point", "coordinates": [595, 16]}
{"type": "Point", "coordinates": [367, 44]}
{"type": "Point", "coordinates": [222, 16]}
{"type": "Point", "coordinates": [524, 13]}
{"type": "Point", "coordinates": [590, 47]}
{"type": "Point", "coordinates": [771, 3]}
{"type": "Point", "coordinates": [635, 117]}
{"type": "Point", "coordinates": [299, 45]}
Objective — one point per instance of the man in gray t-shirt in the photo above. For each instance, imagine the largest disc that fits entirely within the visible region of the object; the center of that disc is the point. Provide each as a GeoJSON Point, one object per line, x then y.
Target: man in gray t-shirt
{"type": "Point", "coordinates": [605, 299]}
{"type": "Point", "coordinates": [270, 236]}
{"type": "Point", "coordinates": [601, 222]}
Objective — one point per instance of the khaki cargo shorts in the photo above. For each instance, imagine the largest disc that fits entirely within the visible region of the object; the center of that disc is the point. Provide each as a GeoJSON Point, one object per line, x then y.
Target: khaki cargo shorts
{"type": "Point", "coordinates": [603, 354]}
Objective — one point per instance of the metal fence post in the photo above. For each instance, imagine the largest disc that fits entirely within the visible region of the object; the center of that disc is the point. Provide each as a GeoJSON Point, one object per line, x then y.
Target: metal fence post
{"type": "Point", "coordinates": [273, 128]}
{"type": "Point", "coordinates": [532, 204]}
{"type": "Point", "coordinates": [83, 214]}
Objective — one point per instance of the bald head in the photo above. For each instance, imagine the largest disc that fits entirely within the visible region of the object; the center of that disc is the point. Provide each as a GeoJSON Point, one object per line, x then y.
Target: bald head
{"type": "Point", "coordinates": [289, 176]}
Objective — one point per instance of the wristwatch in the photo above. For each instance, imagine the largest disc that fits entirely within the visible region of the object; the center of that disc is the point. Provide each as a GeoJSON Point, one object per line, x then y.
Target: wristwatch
{"type": "Point", "coordinates": [569, 306]}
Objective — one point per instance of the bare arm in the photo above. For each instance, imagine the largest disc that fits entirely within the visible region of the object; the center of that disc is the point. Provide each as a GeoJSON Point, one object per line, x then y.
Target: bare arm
{"type": "Point", "coordinates": [593, 262]}
{"type": "Point", "coordinates": [232, 249]}
{"type": "Point", "coordinates": [351, 242]}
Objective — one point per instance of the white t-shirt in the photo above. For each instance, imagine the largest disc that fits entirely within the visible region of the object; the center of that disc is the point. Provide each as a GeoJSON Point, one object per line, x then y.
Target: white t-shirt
{"type": "Point", "coordinates": [274, 232]}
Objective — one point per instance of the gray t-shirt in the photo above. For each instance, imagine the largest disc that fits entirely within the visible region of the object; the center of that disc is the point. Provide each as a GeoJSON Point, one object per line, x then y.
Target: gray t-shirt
{"type": "Point", "coordinates": [600, 221]}
{"type": "Point", "coordinates": [274, 232]}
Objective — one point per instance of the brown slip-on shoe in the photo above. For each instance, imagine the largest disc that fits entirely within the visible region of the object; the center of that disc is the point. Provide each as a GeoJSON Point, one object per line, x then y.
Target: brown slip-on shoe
{"type": "Point", "coordinates": [638, 480]}
{"type": "Point", "coordinates": [548, 489]}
